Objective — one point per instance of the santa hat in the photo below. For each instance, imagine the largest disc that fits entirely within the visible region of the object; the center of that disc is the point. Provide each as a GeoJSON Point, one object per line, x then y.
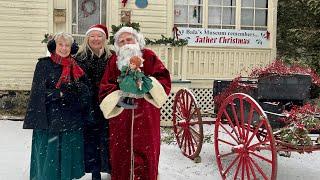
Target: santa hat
{"type": "Point", "coordinates": [138, 36]}
{"type": "Point", "coordinates": [98, 27]}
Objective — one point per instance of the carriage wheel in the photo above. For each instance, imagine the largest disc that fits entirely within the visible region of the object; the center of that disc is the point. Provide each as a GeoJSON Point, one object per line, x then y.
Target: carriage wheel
{"type": "Point", "coordinates": [187, 124]}
{"type": "Point", "coordinates": [239, 153]}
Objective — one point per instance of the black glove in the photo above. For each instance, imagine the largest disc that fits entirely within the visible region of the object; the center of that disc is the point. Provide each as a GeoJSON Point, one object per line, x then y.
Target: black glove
{"type": "Point", "coordinates": [126, 103]}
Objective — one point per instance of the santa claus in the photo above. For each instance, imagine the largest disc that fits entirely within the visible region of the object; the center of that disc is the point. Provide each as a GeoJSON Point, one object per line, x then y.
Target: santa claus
{"type": "Point", "coordinates": [134, 129]}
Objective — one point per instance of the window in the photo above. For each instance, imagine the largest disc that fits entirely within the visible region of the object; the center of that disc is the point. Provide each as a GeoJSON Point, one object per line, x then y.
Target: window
{"type": "Point", "coordinates": [188, 13]}
{"type": "Point", "coordinates": [254, 14]}
{"type": "Point", "coordinates": [221, 14]}
{"type": "Point", "coordinates": [86, 13]}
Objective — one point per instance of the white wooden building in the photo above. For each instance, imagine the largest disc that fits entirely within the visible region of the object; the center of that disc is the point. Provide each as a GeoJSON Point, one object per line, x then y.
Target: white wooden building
{"type": "Point", "coordinates": [226, 37]}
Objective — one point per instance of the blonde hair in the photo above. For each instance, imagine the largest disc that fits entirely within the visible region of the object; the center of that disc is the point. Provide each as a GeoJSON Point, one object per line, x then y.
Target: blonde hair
{"type": "Point", "coordinates": [84, 48]}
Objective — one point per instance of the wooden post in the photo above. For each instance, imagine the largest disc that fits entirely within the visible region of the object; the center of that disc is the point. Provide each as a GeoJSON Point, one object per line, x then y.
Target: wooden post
{"type": "Point", "coordinates": [184, 62]}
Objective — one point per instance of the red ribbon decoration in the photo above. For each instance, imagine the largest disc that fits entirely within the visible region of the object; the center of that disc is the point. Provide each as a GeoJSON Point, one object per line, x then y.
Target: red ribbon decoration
{"type": "Point", "coordinates": [124, 2]}
{"type": "Point", "coordinates": [175, 32]}
{"type": "Point", "coordinates": [268, 35]}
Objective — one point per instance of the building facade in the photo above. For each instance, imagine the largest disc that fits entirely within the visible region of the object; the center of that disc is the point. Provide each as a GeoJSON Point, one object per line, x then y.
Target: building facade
{"type": "Point", "coordinates": [226, 38]}
{"type": "Point", "coordinates": [24, 23]}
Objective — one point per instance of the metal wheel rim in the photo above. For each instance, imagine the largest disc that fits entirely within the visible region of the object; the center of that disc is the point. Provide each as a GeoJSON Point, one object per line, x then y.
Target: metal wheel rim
{"type": "Point", "coordinates": [187, 124]}
{"type": "Point", "coordinates": [247, 156]}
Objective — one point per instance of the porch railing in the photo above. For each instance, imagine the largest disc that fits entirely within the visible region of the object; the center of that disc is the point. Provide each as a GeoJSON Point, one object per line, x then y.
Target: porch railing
{"type": "Point", "coordinates": [194, 63]}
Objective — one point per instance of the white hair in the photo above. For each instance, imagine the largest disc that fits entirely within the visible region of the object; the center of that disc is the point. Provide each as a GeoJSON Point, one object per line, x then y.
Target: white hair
{"type": "Point", "coordinates": [63, 35]}
{"type": "Point", "coordinates": [137, 36]}
{"type": "Point", "coordinates": [126, 52]}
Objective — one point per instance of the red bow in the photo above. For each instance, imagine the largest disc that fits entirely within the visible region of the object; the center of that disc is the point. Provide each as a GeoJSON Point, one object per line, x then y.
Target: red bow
{"type": "Point", "coordinates": [175, 32]}
{"type": "Point", "coordinates": [124, 2]}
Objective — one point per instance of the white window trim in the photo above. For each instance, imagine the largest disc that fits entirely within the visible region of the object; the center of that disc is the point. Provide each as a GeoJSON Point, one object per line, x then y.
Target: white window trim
{"type": "Point", "coordinates": [205, 15]}
{"type": "Point", "coordinates": [69, 10]}
{"type": "Point", "coordinates": [188, 12]}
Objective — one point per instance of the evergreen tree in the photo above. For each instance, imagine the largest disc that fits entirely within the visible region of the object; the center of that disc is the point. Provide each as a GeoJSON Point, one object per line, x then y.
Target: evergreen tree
{"type": "Point", "coordinates": [298, 36]}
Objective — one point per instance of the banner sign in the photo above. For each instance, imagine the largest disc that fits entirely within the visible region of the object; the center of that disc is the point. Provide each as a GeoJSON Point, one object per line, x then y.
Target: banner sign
{"type": "Point", "coordinates": [225, 37]}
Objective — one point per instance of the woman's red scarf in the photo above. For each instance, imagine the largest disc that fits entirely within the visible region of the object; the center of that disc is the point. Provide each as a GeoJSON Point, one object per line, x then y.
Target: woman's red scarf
{"type": "Point", "coordinates": [69, 68]}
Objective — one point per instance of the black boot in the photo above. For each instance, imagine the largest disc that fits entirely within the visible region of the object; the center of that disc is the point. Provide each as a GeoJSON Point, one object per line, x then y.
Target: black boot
{"type": "Point", "coordinates": [96, 175]}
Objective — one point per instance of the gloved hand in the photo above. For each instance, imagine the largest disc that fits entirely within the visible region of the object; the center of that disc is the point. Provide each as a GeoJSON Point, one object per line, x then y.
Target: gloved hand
{"type": "Point", "coordinates": [126, 103]}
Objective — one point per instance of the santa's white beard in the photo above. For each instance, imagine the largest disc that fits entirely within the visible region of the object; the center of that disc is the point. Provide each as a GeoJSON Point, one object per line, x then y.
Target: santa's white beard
{"type": "Point", "coordinates": [126, 52]}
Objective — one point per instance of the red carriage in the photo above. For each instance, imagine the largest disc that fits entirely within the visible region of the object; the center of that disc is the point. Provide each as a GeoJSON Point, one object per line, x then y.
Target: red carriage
{"type": "Point", "coordinates": [247, 133]}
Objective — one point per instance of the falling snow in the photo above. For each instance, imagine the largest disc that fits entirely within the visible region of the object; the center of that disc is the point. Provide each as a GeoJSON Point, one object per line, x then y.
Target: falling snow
{"type": "Point", "coordinates": [15, 157]}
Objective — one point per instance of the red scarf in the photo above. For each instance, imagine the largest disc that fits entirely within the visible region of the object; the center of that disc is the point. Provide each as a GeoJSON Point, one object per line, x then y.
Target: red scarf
{"type": "Point", "coordinates": [69, 68]}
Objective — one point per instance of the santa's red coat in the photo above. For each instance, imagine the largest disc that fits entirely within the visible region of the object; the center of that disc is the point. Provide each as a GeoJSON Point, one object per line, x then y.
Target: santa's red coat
{"type": "Point", "coordinates": [146, 126]}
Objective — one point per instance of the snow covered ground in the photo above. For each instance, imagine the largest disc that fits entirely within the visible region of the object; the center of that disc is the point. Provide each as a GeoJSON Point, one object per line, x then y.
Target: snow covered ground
{"type": "Point", "coordinates": [15, 157]}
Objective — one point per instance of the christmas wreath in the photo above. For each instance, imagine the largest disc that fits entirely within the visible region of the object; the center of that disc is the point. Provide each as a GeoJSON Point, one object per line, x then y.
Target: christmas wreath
{"type": "Point", "coordinates": [87, 12]}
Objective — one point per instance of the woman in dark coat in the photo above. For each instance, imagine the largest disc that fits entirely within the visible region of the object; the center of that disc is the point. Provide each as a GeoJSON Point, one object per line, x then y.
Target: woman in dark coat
{"type": "Point", "coordinates": [59, 107]}
{"type": "Point", "coordinates": [92, 57]}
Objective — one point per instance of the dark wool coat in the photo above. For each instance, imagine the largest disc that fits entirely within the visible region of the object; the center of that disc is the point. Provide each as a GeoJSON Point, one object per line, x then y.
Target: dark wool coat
{"type": "Point", "coordinates": [47, 109]}
{"type": "Point", "coordinates": [94, 67]}
{"type": "Point", "coordinates": [96, 135]}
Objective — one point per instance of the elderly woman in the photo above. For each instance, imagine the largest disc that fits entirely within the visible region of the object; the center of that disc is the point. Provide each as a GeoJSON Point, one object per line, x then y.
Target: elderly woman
{"type": "Point", "coordinates": [92, 57]}
{"type": "Point", "coordinates": [57, 111]}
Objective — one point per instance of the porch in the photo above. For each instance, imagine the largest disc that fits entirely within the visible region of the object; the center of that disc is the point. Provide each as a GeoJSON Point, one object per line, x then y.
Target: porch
{"type": "Point", "coordinates": [196, 68]}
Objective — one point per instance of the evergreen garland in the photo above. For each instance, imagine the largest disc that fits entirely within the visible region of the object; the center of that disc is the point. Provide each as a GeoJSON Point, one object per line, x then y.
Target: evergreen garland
{"type": "Point", "coordinates": [47, 37]}
{"type": "Point", "coordinates": [164, 40]}
{"type": "Point", "coordinates": [167, 41]}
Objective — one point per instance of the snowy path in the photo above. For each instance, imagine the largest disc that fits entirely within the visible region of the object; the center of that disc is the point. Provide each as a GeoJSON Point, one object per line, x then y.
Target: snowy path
{"type": "Point", "coordinates": [15, 156]}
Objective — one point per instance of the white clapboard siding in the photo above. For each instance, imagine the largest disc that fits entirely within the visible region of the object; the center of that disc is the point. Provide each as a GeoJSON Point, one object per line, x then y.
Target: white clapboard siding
{"type": "Point", "coordinates": [22, 26]}
{"type": "Point", "coordinates": [153, 20]}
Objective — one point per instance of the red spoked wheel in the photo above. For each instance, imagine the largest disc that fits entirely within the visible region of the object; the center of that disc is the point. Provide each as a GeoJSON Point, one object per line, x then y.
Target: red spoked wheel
{"type": "Point", "coordinates": [187, 124]}
{"type": "Point", "coordinates": [243, 140]}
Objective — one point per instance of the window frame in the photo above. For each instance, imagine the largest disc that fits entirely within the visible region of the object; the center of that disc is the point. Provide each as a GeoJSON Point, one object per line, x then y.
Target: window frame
{"type": "Point", "coordinates": [222, 6]}
{"type": "Point", "coordinates": [238, 8]}
{"type": "Point", "coordinates": [189, 5]}
{"type": "Point", "coordinates": [255, 9]}
{"type": "Point", "coordinates": [102, 14]}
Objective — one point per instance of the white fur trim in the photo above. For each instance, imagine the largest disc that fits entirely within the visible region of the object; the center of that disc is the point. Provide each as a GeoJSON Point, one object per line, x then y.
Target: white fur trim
{"type": "Point", "coordinates": [95, 29]}
{"type": "Point", "coordinates": [138, 36]}
{"type": "Point", "coordinates": [157, 96]}
{"type": "Point", "coordinates": [108, 105]}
